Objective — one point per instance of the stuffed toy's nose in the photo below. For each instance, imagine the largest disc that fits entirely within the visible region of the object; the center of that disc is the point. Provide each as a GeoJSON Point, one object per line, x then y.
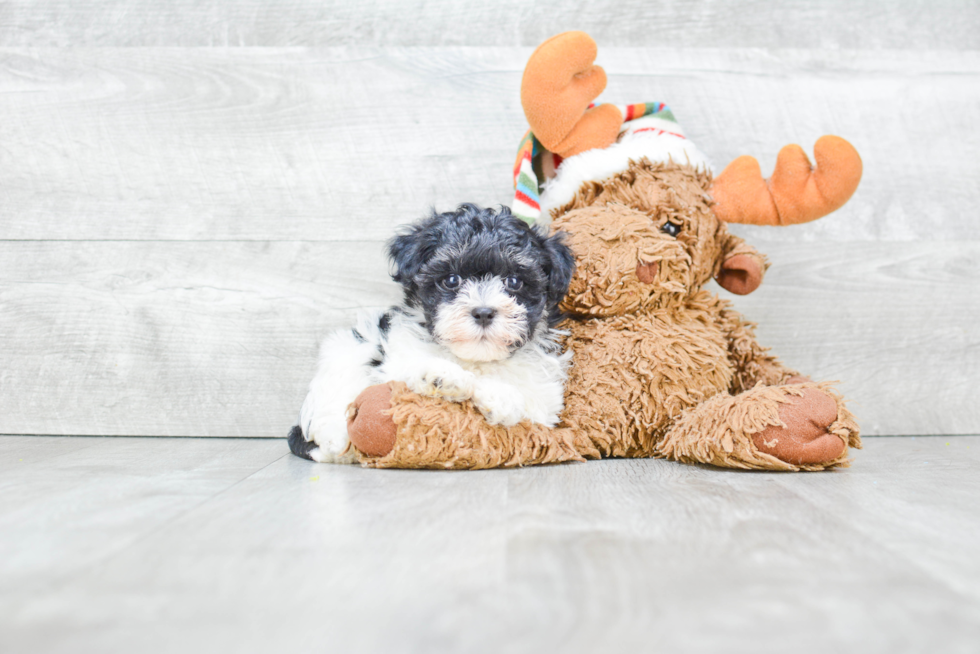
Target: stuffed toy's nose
{"type": "Point", "coordinates": [647, 272]}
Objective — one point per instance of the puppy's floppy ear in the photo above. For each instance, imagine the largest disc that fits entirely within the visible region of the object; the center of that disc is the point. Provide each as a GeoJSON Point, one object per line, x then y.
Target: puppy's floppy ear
{"type": "Point", "coordinates": [561, 267]}
{"type": "Point", "coordinates": [404, 252]}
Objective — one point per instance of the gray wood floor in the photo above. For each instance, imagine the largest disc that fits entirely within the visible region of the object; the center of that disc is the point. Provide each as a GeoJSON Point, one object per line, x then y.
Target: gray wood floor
{"type": "Point", "coordinates": [194, 193]}
{"type": "Point", "coordinates": [187, 545]}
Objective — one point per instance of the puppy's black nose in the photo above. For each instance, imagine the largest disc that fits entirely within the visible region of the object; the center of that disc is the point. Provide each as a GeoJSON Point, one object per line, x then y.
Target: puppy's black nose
{"type": "Point", "coordinates": [483, 315]}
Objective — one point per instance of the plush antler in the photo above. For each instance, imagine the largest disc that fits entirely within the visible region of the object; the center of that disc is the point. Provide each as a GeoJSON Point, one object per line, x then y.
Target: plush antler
{"type": "Point", "coordinates": [560, 80]}
{"type": "Point", "coordinates": [796, 193]}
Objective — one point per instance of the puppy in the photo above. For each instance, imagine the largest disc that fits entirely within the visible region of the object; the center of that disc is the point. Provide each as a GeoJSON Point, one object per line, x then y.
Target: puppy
{"type": "Point", "coordinates": [482, 290]}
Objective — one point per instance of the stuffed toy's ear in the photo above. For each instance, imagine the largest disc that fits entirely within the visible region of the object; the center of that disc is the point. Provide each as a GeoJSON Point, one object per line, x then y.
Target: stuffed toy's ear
{"type": "Point", "coordinates": [742, 267]}
{"type": "Point", "coordinates": [740, 274]}
{"type": "Point", "coordinates": [560, 270]}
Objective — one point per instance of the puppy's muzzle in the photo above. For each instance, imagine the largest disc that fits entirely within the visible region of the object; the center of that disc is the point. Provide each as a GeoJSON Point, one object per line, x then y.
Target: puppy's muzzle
{"type": "Point", "coordinates": [483, 315]}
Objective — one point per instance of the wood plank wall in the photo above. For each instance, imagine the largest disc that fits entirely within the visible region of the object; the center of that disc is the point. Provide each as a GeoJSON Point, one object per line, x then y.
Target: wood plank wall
{"type": "Point", "coordinates": [193, 193]}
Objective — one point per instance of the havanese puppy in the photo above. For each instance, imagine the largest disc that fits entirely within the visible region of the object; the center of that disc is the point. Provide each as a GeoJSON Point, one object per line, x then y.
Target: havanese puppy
{"type": "Point", "coordinates": [482, 290]}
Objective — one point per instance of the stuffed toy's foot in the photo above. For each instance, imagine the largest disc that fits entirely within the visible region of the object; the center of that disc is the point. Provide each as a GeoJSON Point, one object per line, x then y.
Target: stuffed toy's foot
{"type": "Point", "coordinates": [801, 426]}
{"type": "Point", "coordinates": [804, 437]}
{"type": "Point", "coordinates": [560, 81]}
{"type": "Point", "coordinates": [392, 427]}
{"type": "Point", "coordinates": [369, 425]}
{"type": "Point", "coordinates": [796, 193]}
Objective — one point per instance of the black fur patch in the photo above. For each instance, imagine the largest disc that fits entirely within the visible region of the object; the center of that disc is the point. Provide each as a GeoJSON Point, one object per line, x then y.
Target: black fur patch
{"type": "Point", "coordinates": [379, 358]}
{"type": "Point", "coordinates": [358, 336]}
{"type": "Point", "coordinates": [299, 445]}
{"type": "Point", "coordinates": [384, 324]}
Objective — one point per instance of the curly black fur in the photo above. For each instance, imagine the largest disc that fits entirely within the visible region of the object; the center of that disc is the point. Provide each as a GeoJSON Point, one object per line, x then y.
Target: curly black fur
{"type": "Point", "coordinates": [298, 444]}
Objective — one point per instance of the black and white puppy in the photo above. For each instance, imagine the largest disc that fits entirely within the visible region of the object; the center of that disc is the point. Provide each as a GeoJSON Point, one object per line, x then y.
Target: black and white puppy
{"type": "Point", "coordinates": [482, 290]}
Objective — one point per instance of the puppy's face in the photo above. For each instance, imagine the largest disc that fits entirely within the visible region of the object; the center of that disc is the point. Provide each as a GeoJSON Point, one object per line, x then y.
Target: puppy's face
{"type": "Point", "coordinates": [484, 280]}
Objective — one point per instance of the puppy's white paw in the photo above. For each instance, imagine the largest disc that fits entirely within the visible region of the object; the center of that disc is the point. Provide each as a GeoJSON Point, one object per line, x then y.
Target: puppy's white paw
{"type": "Point", "coordinates": [323, 456]}
{"type": "Point", "coordinates": [446, 380]}
{"type": "Point", "coordinates": [500, 404]}
{"type": "Point", "coordinates": [333, 445]}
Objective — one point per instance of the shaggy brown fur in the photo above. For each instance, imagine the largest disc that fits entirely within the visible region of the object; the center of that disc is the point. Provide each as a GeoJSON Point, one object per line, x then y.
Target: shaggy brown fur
{"type": "Point", "coordinates": [433, 433]}
{"type": "Point", "coordinates": [661, 367]}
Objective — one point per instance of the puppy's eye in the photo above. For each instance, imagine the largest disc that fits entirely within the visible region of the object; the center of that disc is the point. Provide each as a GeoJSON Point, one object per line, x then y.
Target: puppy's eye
{"type": "Point", "coordinates": [451, 282]}
{"type": "Point", "coordinates": [671, 228]}
{"type": "Point", "coordinates": [513, 284]}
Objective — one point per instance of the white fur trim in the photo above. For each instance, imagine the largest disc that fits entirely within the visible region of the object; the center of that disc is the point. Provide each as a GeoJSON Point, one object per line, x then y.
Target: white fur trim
{"type": "Point", "coordinates": [600, 164]}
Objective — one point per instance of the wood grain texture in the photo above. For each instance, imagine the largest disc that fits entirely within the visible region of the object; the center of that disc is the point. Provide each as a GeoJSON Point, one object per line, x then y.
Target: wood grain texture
{"type": "Point", "coordinates": [109, 494]}
{"type": "Point", "coordinates": [196, 339]}
{"type": "Point", "coordinates": [240, 144]}
{"type": "Point", "coordinates": [220, 338]}
{"type": "Point", "coordinates": [179, 225]}
{"type": "Point", "coordinates": [832, 24]}
{"type": "Point", "coordinates": [175, 545]}
{"type": "Point", "coordinates": [346, 143]}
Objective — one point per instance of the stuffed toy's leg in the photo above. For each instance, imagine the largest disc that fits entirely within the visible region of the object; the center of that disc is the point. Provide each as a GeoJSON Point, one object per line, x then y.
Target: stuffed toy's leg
{"type": "Point", "coordinates": [392, 427]}
{"type": "Point", "coordinates": [802, 426]}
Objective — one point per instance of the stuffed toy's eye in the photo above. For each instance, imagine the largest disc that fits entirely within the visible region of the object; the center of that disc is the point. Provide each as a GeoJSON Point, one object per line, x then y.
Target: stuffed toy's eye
{"type": "Point", "coordinates": [671, 228]}
{"type": "Point", "coordinates": [513, 283]}
{"type": "Point", "coordinates": [451, 282]}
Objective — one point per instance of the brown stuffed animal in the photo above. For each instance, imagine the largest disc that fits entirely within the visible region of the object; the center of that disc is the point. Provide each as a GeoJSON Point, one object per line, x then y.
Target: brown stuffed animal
{"type": "Point", "coordinates": [661, 367]}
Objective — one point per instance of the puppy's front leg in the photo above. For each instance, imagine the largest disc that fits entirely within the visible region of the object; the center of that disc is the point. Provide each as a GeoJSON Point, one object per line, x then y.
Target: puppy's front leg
{"type": "Point", "coordinates": [499, 402]}
{"type": "Point", "coordinates": [445, 379]}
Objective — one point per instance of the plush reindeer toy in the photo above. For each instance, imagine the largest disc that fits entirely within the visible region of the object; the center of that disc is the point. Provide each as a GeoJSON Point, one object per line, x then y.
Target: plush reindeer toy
{"type": "Point", "coordinates": [661, 366]}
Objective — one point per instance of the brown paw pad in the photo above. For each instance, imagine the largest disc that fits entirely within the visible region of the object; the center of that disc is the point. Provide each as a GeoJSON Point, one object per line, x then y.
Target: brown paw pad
{"type": "Point", "coordinates": [805, 439]}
